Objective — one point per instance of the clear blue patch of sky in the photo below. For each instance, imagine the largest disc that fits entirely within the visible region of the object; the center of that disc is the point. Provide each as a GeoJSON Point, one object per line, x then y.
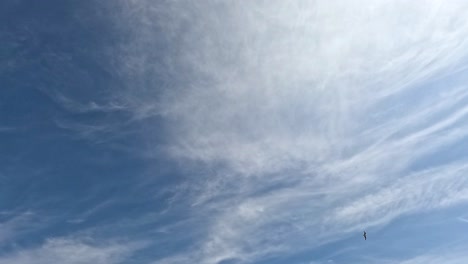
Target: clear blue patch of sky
{"type": "Point", "coordinates": [62, 48]}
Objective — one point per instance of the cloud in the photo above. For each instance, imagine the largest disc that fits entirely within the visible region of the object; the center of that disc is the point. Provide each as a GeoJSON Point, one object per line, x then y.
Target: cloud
{"type": "Point", "coordinates": [426, 190]}
{"type": "Point", "coordinates": [313, 117]}
{"type": "Point", "coordinates": [6, 129]}
{"type": "Point", "coordinates": [444, 257]}
{"type": "Point", "coordinates": [71, 251]}
{"type": "Point", "coordinates": [263, 90]}
{"type": "Point", "coordinates": [77, 107]}
{"type": "Point", "coordinates": [13, 224]}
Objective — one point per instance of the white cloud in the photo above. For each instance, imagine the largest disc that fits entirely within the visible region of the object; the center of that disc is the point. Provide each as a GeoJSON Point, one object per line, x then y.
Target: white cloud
{"type": "Point", "coordinates": [14, 223]}
{"type": "Point", "coordinates": [75, 106]}
{"type": "Point", "coordinates": [265, 87]}
{"type": "Point", "coordinates": [426, 190]}
{"type": "Point", "coordinates": [71, 251]}
{"type": "Point", "coordinates": [444, 257]}
{"type": "Point", "coordinates": [329, 103]}
{"type": "Point", "coordinates": [6, 129]}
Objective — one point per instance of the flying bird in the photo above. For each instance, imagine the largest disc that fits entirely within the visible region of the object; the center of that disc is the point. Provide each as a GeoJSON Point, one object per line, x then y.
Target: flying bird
{"type": "Point", "coordinates": [365, 235]}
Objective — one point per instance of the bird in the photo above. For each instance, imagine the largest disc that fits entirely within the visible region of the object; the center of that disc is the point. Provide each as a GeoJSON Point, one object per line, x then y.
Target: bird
{"type": "Point", "coordinates": [365, 235]}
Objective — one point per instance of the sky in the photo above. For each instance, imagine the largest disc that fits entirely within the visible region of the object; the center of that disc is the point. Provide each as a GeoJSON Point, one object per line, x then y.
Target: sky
{"type": "Point", "coordinates": [233, 132]}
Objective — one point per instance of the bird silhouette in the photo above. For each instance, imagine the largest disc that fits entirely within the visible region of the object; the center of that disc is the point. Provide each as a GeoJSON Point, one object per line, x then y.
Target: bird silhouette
{"type": "Point", "coordinates": [365, 235]}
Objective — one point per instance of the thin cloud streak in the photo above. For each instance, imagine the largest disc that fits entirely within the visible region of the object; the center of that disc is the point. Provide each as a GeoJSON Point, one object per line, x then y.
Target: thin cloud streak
{"type": "Point", "coordinates": [72, 251]}
{"type": "Point", "coordinates": [13, 224]}
{"type": "Point", "coordinates": [445, 257]}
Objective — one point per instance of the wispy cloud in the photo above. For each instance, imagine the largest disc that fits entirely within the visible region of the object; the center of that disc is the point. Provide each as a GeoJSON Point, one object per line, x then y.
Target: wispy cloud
{"type": "Point", "coordinates": [77, 107]}
{"type": "Point", "coordinates": [268, 90]}
{"type": "Point", "coordinates": [72, 251]}
{"type": "Point", "coordinates": [6, 129]}
{"type": "Point", "coordinates": [426, 190]}
{"type": "Point", "coordinates": [13, 224]}
{"type": "Point", "coordinates": [448, 257]}
{"type": "Point", "coordinates": [313, 116]}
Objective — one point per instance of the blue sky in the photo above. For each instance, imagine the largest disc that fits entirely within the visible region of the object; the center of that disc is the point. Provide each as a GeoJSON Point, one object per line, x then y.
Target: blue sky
{"type": "Point", "coordinates": [229, 132]}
